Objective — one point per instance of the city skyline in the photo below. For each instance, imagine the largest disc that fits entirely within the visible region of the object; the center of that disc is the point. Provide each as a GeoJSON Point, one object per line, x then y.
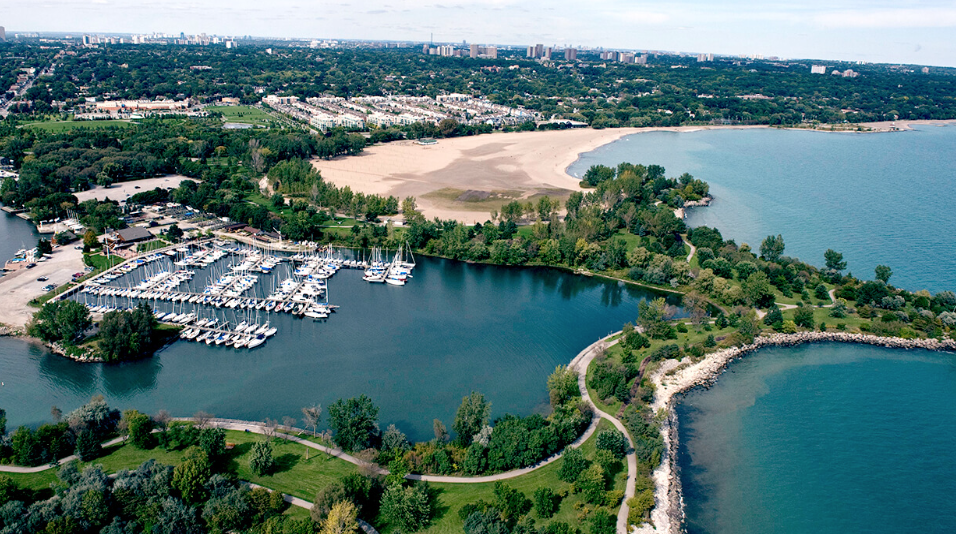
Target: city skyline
{"type": "Point", "coordinates": [916, 32]}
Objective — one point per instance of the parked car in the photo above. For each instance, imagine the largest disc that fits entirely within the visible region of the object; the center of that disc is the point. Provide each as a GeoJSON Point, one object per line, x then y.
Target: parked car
{"type": "Point", "coordinates": [43, 279]}
{"type": "Point", "coordinates": [49, 287]}
{"type": "Point", "coordinates": [31, 265]}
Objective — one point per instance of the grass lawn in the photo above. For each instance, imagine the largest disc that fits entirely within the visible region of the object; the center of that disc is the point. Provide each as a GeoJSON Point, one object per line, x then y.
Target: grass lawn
{"type": "Point", "coordinates": [150, 246]}
{"type": "Point", "coordinates": [100, 263]}
{"type": "Point", "coordinates": [243, 114]}
{"type": "Point", "coordinates": [295, 475]}
{"type": "Point", "coordinates": [62, 126]}
{"type": "Point", "coordinates": [451, 497]}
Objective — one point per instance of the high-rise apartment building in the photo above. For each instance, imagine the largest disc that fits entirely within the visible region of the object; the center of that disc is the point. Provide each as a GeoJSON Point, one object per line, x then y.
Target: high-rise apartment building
{"type": "Point", "coordinates": [3, 34]}
{"type": "Point", "coordinates": [570, 54]}
{"type": "Point", "coordinates": [473, 51]}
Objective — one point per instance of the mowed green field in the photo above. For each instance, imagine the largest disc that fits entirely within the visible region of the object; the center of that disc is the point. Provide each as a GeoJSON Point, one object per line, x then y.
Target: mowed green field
{"type": "Point", "coordinates": [62, 126]}
{"type": "Point", "coordinates": [243, 114]}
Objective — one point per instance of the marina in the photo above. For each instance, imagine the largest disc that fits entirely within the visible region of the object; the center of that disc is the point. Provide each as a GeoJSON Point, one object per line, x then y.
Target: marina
{"type": "Point", "coordinates": [223, 293]}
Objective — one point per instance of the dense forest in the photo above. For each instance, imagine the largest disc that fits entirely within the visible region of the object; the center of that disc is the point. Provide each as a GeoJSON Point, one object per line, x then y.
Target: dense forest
{"type": "Point", "coordinates": [670, 90]}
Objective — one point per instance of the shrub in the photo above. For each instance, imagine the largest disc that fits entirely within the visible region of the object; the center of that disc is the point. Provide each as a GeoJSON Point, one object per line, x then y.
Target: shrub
{"type": "Point", "coordinates": [788, 327]}
{"type": "Point", "coordinates": [710, 341]}
{"type": "Point", "coordinates": [261, 462]}
{"type": "Point", "coordinates": [639, 507]}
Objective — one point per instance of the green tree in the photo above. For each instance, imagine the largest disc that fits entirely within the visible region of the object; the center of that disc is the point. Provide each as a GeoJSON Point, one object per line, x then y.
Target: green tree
{"type": "Point", "coordinates": [140, 428]}
{"type": "Point", "coordinates": [573, 463]}
{"type": "Point", "coordinates": [545, 502]}
{"type": "Point", "coordinates": [354, 422]}
{"type": "Point", "coordinates": [44, 246]}
{"type": "Point", "coordinates": [189, 477]}
{"type": "Point", "coordinates": [63, 320]}
{"type": "Point", "coordinates": [773, 317]}
{"type": "Point", "coordinates": [602, 522]}
{"type": "Point", "coordinates": [94, 508]}
{"type": "Point", "coordinates": [409, 508]}
{"type": "Point", "coordinates": [613, 441]}
{"type": "Point", "coordinates": [883, 273]}
{"type": "Point", "coordinates": [590, 484]}
{"type": "Point", "coordinates": [472, 415]}
{"type": "Point", "coordinates": [757, 290]}
{"type": "Point", "coordinates": [261, 461]}
{"type": "Point", "coordinates": [772, 248]}
{"type": "Point", "coordinates": [175, 233]}
{"type": "Point", "coordinates": [212, 441]}
{"type": "Point", "coordinates": [803, 316]}
{"type": "Point", "coordinates": [90, 241]}
{"type": "Point", "coordinates": [834, 260]}
{"type": "Point", "coordinates": [562, 385]}
{"type": "Point", "coordinates": [87, 446]}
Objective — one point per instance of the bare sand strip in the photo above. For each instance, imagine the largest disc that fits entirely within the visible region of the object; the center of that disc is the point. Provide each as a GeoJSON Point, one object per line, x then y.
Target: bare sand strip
{"type": "Point", "coordinates": [123, 190]}
{"type": "Point", "coordinates": [668, 512]}
{"type": "Point", "coordinates": [500, 166]}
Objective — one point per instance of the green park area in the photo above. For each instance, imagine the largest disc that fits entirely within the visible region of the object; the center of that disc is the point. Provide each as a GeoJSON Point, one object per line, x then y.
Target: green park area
{"type": "Point", "coordinates": [65, 126]}
{"type": "Point", "coordinates": [242, 114]}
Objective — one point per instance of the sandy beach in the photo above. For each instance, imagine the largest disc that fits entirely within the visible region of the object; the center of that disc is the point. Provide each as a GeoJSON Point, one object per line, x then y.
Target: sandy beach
{"type": "Point", "coordinates": [123, 190]}
{"type": "Point", "coordinates": [466, 178]}
{"type": "Point", "coordinates": [494, 169]}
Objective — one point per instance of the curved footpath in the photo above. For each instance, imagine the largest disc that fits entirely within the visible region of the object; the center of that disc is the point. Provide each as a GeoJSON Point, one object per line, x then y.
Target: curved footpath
{"type": "Point", "coordinates": [668, 513]}
{"type": "Point", "coordinates": [580, 364]}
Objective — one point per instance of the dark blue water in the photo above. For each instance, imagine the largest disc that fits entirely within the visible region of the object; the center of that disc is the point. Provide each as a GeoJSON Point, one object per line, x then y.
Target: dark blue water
{"type": "Point", "coordinates": [878, 198]}
{"type": "Point", "coordinates": [415, 350]}
{"type": "Point", "coordinates": [15, 234]}
{"type": "Point", "coordinates": [823, 438]}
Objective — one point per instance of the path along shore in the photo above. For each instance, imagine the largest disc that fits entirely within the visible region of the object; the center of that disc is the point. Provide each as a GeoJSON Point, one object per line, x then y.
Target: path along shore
{"type": "Point", "coordinates": [668, 513]}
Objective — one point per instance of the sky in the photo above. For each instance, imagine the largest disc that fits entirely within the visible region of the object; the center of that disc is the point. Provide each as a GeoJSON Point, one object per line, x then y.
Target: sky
{"type": "Point", "coordinates": [906, 31]}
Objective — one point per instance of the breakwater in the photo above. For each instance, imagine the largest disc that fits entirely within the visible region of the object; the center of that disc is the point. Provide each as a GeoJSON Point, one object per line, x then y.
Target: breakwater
{"type": "Point", "coordinates": [676, 378]}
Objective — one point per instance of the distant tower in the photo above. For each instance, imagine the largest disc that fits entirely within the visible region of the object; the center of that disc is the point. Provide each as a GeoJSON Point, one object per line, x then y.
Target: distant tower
{"type": "Point", "coordinates": [3, 34]}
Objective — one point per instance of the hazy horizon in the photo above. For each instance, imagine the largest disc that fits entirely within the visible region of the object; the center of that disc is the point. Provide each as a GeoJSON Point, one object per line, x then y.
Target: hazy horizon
{"type": "Point", "coordinates": [914, 32]}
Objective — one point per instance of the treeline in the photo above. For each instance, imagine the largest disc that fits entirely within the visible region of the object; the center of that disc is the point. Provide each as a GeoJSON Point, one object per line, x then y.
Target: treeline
{"type": "Point", "coordinates": [199, 495]}
{"type": "Point", "coordinates": [299, 178]}
{"type": "Point", "coordinates": [669, 91]}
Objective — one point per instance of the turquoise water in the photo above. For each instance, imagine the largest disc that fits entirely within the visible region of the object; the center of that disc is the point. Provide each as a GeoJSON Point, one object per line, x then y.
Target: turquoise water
{"type": "Point", "coordinates": [885, 198]}
{"type": "Point", "coordinates": [415, 350]}
{"type": "Point", "coordinates": [823, 438]}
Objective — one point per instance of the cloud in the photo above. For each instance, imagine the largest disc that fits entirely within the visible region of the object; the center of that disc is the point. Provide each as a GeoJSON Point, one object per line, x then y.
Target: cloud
{"type": "Point", "coordinates": [889, 18]}
{"type": "Point", "coordinates": [642, 17]}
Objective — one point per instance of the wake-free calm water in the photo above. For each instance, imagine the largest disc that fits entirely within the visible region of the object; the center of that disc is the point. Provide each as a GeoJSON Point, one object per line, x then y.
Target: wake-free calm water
{"type": "Point", "coordinates": [823, 438]}
{"type": "Point", "coordinates": [415, 350]}
{"type": "Point", "coordinates": [879, 198]}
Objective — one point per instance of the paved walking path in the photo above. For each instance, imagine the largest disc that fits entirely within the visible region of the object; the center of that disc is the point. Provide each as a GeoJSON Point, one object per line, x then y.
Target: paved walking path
{"type": "Point", "coordinates": [41, 468]}
{"type": "Point", "coordinates": [580, 364]}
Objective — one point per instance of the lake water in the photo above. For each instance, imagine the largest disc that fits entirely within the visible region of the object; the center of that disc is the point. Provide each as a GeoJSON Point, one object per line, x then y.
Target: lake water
{"type": "Point", "coordinates": [885, 198]}
{"type": "Point", "coordinates": [15, 234]}
{"type": "Point", "coordinates": [823, 438]}
{"type": "Point", "coordinates": [415, 350]}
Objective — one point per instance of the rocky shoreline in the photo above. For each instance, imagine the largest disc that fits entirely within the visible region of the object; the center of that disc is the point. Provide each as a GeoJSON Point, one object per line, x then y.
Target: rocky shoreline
{"type": "Point", "coordinates": [668, 513]}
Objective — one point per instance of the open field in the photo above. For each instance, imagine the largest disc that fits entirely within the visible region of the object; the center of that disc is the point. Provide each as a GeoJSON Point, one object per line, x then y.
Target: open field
{"type": "Point", "coordinates": [123, 190]}
{"type": "Point", "coordinates": [62, 126]}
{"type": "Point", "coordinates": [242, 114]}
